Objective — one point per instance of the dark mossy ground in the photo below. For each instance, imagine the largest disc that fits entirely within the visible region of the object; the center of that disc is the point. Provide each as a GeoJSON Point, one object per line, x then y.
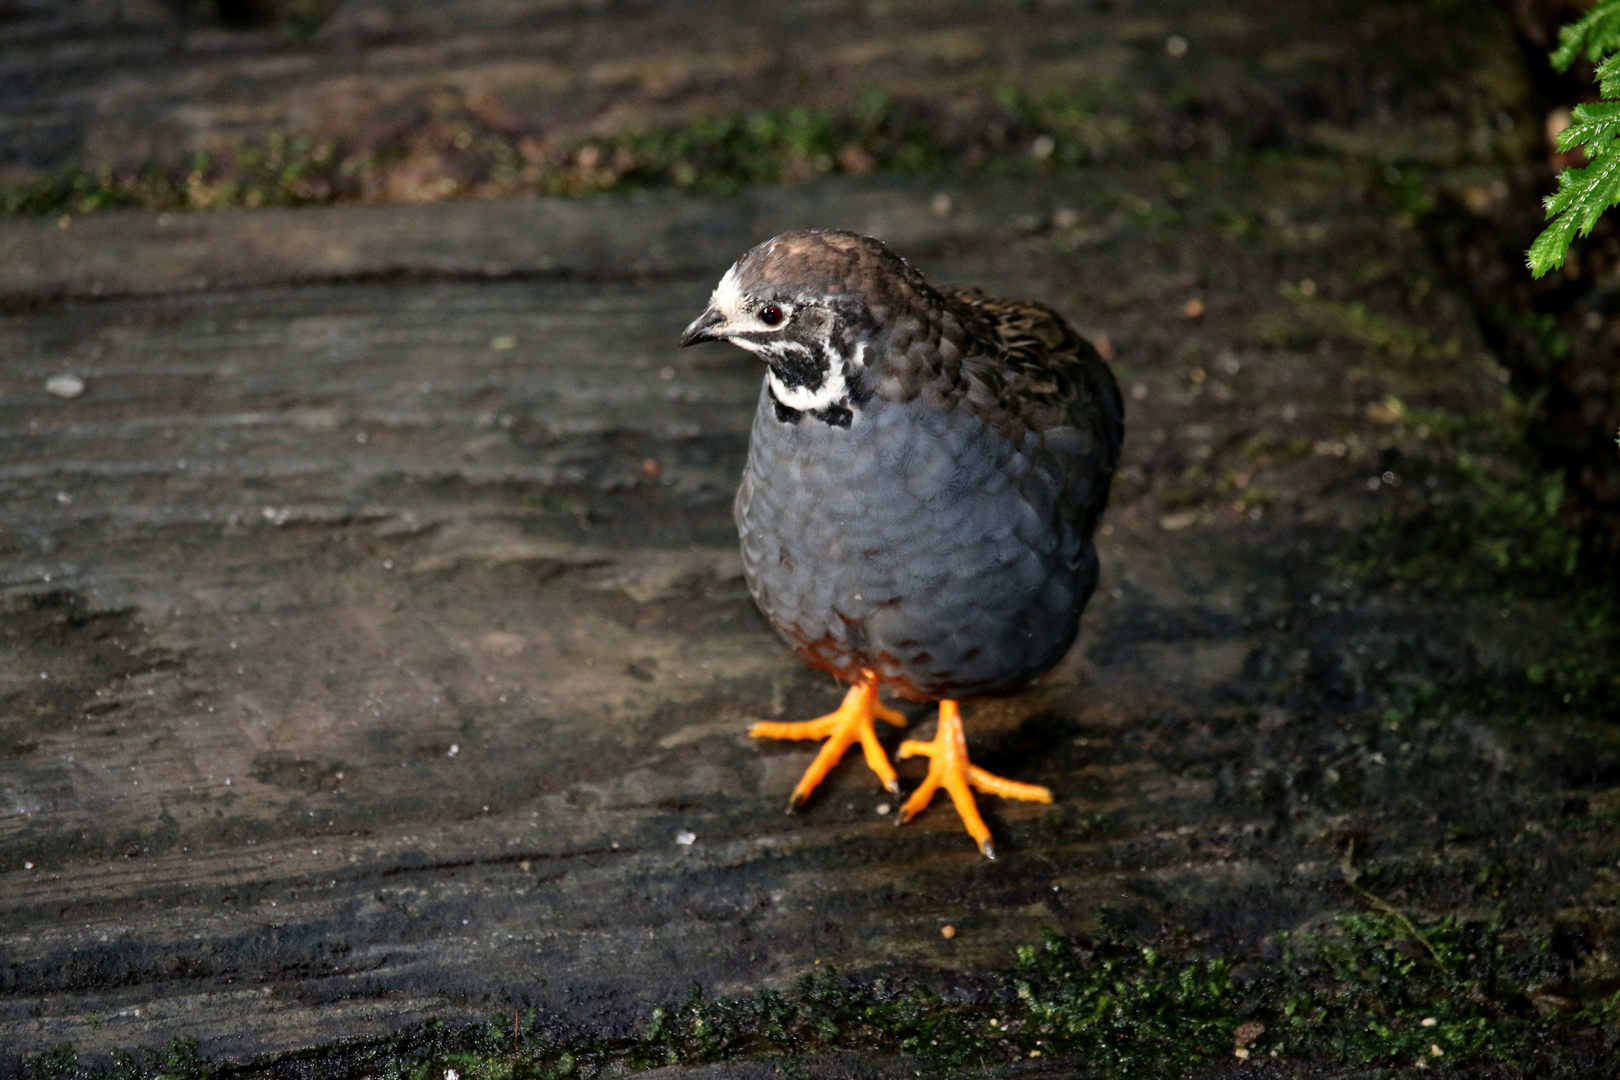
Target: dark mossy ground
{"type": "Point", "coordinates": [1368, 994]}
{"type": "Point", "coordinates": [1439, 784]}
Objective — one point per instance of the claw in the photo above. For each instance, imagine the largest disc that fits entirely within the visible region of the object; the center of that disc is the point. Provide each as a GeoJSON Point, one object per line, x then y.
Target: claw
{"type": "Point", "coordinates": [849, 724]}
{"type": "Point", "coordinates": [949, 767]}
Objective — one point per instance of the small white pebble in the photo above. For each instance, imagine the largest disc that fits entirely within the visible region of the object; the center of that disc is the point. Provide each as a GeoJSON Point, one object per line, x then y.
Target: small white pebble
{"type": "Point", "coordinates": [883, 808]}
{"type": "Point", "coordinates": [28, 866]}
{"type": "Point", "coordinates": [502, 343]}
{"type": "Point", "coordinates": [64, 386]}
{"type": "Point", "coordinates": [64, 498]}
{"type": "Point", "coordinates": [1428, 1021]}
{"type": "Point", "coordinates": [455, 748]}
{"type": "Point", "coordinates": [685, 839]}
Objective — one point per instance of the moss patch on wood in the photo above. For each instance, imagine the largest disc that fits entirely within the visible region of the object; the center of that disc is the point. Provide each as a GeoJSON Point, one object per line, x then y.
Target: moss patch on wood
{"type": "Point", "coordinates": [463, 157]}
{"type": "Point", "coordinates": [1370, 989]}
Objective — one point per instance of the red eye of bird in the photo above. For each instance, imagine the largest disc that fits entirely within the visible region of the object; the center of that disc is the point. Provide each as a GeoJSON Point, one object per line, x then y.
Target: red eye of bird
{"type": "Point", "coordinates": [770, 314]}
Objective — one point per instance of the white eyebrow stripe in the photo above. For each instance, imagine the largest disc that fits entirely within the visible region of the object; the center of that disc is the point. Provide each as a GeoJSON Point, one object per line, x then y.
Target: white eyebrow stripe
{"type": "Point", "coordinates": [727, 298]}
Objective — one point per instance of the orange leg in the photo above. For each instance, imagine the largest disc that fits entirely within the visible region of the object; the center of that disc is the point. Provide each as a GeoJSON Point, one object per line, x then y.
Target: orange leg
{"type": "Point", "coordinates": [852, 722]}
{"type": "Point", "coordinates": [949, 766]}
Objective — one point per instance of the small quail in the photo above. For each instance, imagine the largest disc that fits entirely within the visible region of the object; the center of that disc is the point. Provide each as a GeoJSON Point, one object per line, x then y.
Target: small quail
{"type": "Point", "coordinates": [925, 473]}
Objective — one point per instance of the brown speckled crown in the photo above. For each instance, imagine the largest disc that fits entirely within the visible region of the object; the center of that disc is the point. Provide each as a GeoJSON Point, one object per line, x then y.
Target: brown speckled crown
{"type": "Point", "coordinates": [826, 263]}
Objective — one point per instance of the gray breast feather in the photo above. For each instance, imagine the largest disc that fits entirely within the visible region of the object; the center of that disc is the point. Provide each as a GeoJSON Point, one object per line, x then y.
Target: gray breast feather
{"type": "Point", "coordinates": [917, 542]}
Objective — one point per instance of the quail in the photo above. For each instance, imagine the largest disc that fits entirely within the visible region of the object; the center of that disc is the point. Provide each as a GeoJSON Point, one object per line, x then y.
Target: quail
{"type": "Point", "coordinates": [925, 473]}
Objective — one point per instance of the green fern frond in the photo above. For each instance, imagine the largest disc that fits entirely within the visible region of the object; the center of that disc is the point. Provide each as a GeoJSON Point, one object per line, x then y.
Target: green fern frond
{"type": "Point", "coordinates": [1593, 126]}
{"type": "Point", "coordinates": [1608, 77]}
{"type": "Point", "coordinates": [1585, 193]}
{"type": "Point", "coordinates": [1593, 35]}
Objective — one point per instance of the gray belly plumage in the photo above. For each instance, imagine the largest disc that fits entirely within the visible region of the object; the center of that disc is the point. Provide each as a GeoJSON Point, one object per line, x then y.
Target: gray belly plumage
{"type": "Point", "coordinates": [918, 543]}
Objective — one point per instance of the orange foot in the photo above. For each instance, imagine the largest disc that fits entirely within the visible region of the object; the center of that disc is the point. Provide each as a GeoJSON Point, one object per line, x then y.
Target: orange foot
{"type": "Point", "coordinates": [949, 766]}
{"type": "Point", "coordinates": [841, 729]}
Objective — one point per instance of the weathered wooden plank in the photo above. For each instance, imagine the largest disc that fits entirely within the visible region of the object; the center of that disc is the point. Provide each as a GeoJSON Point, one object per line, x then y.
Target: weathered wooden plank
{"type": "Point", "coordinates": [370, 645]}
{"type": "Point", "coordinates": [639, 234]}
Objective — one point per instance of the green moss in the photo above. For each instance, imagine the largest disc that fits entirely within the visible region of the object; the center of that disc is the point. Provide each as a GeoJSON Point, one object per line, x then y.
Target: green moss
{"type": "Point", "coordinates": [1474, 521]}
{"type": "Point", "coordinates": [728, 153]}
{"type": "Point", "coordinates": [1368, 990]}
{"type": "Point", "coordinates": [282, 171]}
{"type": "Point", "coordinates": [1359, 323]}
{"type": "Point", "coordinates": [1483, 525]}
{"type": "Point", "coordinates": [1129, 1010]}
{"type": "Point", "coordinates": [461, 156]}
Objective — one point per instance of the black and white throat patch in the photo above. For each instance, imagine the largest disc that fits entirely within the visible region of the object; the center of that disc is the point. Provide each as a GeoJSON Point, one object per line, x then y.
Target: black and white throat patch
{"type": "Point", "coordinates": [805, 384]}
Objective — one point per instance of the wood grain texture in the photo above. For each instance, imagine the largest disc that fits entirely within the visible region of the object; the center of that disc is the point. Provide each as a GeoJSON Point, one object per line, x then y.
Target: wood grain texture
{"type": "Point", "coordinates": [368, 644]}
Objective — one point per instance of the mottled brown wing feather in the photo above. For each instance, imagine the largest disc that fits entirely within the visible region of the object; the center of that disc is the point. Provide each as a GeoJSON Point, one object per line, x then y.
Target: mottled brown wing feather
{"type": "Point", "coordinates": [1037, 374]}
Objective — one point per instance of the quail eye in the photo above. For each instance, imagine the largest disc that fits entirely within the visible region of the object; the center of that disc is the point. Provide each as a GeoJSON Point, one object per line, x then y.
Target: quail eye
{"type": "Point", "coordinates": [770, 314]}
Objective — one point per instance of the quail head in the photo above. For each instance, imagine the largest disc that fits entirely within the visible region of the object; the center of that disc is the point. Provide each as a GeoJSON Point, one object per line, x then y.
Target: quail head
{"type": "Point", "coordinates": [926, 470]}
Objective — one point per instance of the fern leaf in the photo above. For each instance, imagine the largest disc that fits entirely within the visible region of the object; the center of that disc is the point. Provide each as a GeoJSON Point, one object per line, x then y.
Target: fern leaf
{"type": "Point", "coordinates": [1586, 192]}
{"type": "Point", "coordinates": [1594, 125]}
{"type": "Point", "coordinates": [1582, 196]}
{"type": "Point", "coordinates": [1551, 246]}
{"type": "Point", "coordinates": [1608, 77]}
{"type": "Point", "coordinates": [1596, 33]}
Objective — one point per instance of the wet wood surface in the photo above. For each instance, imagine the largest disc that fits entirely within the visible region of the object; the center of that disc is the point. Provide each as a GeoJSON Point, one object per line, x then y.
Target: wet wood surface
{"type": "Point", "coordinates": [375, 644]}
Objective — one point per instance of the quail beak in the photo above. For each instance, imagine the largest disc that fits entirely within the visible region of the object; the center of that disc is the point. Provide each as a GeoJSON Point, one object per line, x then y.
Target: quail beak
{"type": "Point", "coordinates": [709, 326]}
